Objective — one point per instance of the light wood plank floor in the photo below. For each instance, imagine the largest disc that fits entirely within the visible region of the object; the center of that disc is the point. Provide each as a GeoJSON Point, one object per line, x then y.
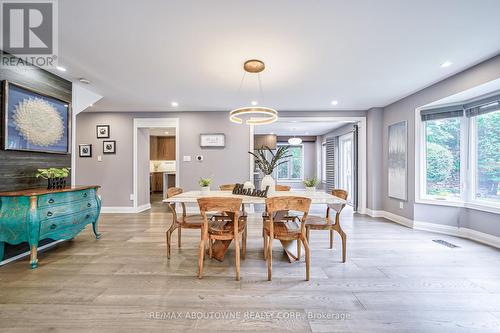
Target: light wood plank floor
{"type": "Point", "coordinates": [395, 280]}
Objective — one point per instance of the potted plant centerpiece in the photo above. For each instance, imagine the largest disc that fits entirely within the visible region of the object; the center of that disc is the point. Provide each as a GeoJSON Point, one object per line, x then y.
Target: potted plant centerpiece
{"type": "Point", "coordinates": [267, 166]}
{"type": "Point", "coordinates": [311, 183]}
{"type": "Point", "coordinates": [56, 178]}
{"type": "Point", "coordinates": [205, 185]}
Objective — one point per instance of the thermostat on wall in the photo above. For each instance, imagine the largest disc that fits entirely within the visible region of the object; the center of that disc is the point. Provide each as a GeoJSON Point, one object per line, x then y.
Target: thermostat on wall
{"type": "Point", "coordinates": [199, 158]}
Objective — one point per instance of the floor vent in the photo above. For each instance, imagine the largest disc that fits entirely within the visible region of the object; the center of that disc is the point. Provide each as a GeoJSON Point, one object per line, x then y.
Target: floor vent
{"type": "Point", "coordinates": [445, 243]}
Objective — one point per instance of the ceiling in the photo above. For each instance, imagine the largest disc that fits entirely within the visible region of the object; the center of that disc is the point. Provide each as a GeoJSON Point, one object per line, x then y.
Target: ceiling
{"type": "Point", "coordinates": [303, 127]}
{"type": "Point", "coordinates": [143, 55]}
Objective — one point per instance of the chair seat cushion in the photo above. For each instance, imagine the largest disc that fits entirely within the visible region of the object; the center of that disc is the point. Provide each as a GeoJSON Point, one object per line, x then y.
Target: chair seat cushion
{"type": "Point", "coordinates": [225, 227]}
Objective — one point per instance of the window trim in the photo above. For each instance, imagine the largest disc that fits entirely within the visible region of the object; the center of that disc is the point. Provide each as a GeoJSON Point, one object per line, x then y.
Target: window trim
{"type": "Point", "coordinates": [292, 180]}
{"type": "Point", "coordinates": [467, 168]}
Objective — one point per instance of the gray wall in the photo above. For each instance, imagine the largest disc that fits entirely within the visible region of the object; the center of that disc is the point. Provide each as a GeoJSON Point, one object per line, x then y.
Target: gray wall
{"type": "Point", "coordinates": [404, 109]}
{"type": "Point", "coordinates": [115, 172]}
{"type": "Point", "coordinates": [374, 128]}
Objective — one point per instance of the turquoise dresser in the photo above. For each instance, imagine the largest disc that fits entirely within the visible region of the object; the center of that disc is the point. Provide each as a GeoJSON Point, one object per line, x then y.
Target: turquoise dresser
{"type": "Point", "coordinates": [33, 215]}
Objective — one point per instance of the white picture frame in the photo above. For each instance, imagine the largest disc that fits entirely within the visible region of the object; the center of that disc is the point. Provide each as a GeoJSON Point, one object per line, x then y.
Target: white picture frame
{"type": "Point", "coordinates": [212, 140]}
{"type": "Point", "coordinates": [397, 160]}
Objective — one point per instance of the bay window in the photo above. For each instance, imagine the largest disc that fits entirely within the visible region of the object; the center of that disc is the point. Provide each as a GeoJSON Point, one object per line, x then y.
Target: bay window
{"type": "Point", "coordinates": [460, 153]}
{"type": "Point", "coordinates": [292, 169]}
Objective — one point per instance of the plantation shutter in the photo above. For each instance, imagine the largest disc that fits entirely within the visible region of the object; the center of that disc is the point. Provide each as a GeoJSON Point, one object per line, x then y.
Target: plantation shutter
{"type": "Point", "coordinates": [330, 163]}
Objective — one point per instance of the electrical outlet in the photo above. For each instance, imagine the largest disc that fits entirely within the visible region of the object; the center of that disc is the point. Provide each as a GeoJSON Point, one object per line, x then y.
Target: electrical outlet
{"type": "Point", "coordinates": [401, 205]}
{"type": "Point", "coordinates": [131, 197]}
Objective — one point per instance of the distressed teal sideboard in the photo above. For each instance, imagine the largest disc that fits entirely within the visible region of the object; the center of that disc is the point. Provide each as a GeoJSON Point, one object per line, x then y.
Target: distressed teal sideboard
{"type": "Point", "coordinates": [36, 214]}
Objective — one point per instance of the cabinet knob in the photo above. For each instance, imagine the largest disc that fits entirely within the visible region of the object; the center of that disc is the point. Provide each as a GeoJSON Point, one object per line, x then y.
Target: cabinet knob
{"type": "Point", "coordinates": [84, 195]}
{"type": "Point", "coordinates": [89, 204]}
{"type": "Point", "coordinates": [87, 216]}
{"type": "Point", "coordinates": [49, 214]}
{"type": "Point", "coordinates": [53, 226]}
{"type": "Point", "coordinates": [51, 200]}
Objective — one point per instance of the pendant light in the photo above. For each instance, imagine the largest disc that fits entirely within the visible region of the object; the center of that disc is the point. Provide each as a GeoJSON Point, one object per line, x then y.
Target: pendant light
{"type": "Point", "coordinates": [257, 115]}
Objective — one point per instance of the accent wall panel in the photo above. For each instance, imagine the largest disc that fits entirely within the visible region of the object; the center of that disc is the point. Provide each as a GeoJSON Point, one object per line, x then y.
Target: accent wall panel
{"type": "Point", "coordinates": [17, 168]}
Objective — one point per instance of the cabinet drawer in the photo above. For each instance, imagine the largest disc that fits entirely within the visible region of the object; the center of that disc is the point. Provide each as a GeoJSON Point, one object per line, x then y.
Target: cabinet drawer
{"type": "Point", "coordinates": [63, 197]}
{"type": "Point", "coordinates": [64, 223]}
{"type": "Point", "coordinates": [56, 211]}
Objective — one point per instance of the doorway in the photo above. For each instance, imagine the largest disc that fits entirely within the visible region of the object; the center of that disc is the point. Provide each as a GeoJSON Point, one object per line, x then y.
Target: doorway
{"type": "Point", "coordinates": [156, 160]}
{"type": "Point", "coordinates": [346, 165]}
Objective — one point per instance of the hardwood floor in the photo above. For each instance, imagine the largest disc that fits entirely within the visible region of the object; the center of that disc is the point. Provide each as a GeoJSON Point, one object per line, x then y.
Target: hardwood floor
{"type": "Point", "coordinates": [395, 280]}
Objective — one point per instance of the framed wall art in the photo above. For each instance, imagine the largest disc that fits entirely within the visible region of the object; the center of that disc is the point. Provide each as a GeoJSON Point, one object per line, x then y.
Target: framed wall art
{"type": "Point", "coordinates": [213, 140]}
{"type": "Point", "coordinates": [33, 121]}
{"type": "Point", "coordinates": [85, 150]}
{"type": "Point", "coordinates": [397, 163]}
{"type": "Point", "coordinates": [102, 131]}
{"type": "Point", "coordinates": [109, 147]}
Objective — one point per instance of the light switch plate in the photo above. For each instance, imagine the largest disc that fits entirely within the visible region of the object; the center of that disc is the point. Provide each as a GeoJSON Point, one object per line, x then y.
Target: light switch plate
{"type": "Point", "coordinates": [131, 197]}
{"type": "Point", "coordinates": [186, 158]}
{"type": "Point", "coordinates": [99, 158]}
{"type": "Point", "coordinates": [401, 205]}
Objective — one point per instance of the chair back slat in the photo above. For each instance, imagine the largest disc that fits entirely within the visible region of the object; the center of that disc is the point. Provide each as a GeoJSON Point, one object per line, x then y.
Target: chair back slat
{"type": "Point", "coordinates": [300, 204]}
{"type": "Point", "coordinates": [173, 191]}
{"type": "Point", "coordinates": [219, 204]}
{"type": "Point", "coordinates": [282, 188]}
{"type": "Point", "coordinates": [227, 187]}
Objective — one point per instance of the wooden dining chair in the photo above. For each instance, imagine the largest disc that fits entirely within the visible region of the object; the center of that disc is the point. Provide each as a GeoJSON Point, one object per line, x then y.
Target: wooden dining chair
{"type": "Point", "coordinates": [227, 187]}
{"type": "Point", "coordinates": [282, 187]}
{"type": "Point", "coordinates": [222, 229]}
{"type": "Point", "coordinates": [325, 223]}
{"type": "Point", "coordinates": [280, 225]}
{"type": "Point", "coordinates": [180, 222]}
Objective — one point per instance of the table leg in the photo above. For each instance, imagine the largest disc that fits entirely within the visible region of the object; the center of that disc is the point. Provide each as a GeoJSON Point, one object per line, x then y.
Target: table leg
{"type": "Point", "coordinates": [173, 226]}
{"type": "Point", "coordinates": [219, 249]}
{"type": "Point", "coordinates": [291, 250]}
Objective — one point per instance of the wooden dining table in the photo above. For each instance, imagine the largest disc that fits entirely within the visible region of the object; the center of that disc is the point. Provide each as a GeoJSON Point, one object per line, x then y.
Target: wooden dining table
{"type": "Point", "coordinates": [220, 247]}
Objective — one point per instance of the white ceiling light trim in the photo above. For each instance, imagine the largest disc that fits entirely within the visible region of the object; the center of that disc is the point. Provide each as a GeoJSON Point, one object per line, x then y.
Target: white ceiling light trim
{"type": "Point", "coordinates": [295, 141]}
{"type": "Point", "coordinates": [270, 115]}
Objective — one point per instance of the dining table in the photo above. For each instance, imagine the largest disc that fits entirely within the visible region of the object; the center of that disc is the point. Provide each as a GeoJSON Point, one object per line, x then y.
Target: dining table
{"type": "Point", "coordinates": [317, 197]}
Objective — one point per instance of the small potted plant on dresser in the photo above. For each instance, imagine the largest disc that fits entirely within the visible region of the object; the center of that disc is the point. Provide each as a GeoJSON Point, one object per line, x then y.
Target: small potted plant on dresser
{"type": "Point", "coordinates": [56, 178]}
{"type": "Point", "coordinates": [205, 185]}
{"type": "Point", "coordinates": [311, 183]}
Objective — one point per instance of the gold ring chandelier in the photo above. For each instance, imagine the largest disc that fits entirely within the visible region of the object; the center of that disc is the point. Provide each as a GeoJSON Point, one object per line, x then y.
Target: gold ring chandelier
{"type": "Point", "coordinates": [257, 115]}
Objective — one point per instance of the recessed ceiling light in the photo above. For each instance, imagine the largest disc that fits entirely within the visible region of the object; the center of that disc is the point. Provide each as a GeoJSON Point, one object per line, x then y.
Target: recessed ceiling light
{"type": "Point", "coordinates": [166, 132]}
{"type": "Point", "coordinates": [335, 102]}
{"type": "Point", "coordinates": [174, 104]}
{"type": "Point", "coordinates": [84, 80]}
{"type": "Point", "coordinates": [254, 103]}
{"type": "Point", "coordinates": [91, 105]}
{"type": "Point", "coordinates": [60, 68]}
{"type": "Point", "coordinates": [272, 133]}
{"type": "Point", "coordinates": [446, 64]}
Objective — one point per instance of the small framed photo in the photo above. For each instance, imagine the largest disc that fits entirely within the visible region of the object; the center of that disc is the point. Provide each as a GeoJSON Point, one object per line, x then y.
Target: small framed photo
{"type": "Point", "coordinates": [212, 140]}
{"type": "Point", "coordinates": [102, 131]}
{"type": "Point", "coordinates": [109, 147]}
{"type": "Point", "coordinates": [85, 150]}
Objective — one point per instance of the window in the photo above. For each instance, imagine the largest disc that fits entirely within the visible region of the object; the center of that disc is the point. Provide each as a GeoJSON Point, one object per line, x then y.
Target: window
{"type": "Point", "coordinates": [442, 149]}
{"type": "Point", "coordinates": [292, 169]}
{"type": "Point", "coordinates": [487, 157]}
{"type": "Point", "coordinates": [323, 162]}
{"type": "Point", "coordinates": [460, 155]}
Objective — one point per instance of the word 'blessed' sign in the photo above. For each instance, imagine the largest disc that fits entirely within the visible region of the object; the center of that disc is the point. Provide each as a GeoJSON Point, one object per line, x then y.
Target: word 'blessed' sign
{"type": "Point", "coordinates": [238, 189]}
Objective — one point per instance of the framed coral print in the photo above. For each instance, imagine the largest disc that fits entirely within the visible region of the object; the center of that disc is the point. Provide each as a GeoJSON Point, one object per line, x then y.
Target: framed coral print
{"type": "Point", "coordinates": [33, 121]}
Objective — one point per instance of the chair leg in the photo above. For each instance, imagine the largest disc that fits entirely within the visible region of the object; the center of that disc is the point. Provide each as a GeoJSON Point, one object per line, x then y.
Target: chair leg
{"type": "Point", "coordinates": [308, 230]}
{"type": "Point", "coordinates": [270, 259]}
{"type": "Point", "coordinates": [308, 257]}
{"type": "Point", "coordinates": [237, 255]}
{"type": "Point", "coordinates": [210, 244]}
{"type": "Point", "coordinates": [201, 254]}
{"type": "Point", "coordinates": [179, 236]}
{"type": "Point", "coordinates": [344, 244]}
{"type": "Point", "coordinates": [299, 248]}
{"type": "Point", "coordinates": [168, 235]}
{"type": "Point", "coordinates": [264, 237]}
{"type": "Point", "coordinates": [244, 245]}
{"type": "Point", "coordinates": [331, 238]}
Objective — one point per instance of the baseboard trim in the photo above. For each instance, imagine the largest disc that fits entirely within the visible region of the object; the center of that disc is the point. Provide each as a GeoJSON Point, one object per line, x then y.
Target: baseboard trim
{"type": "Point", "coordinates": [466, 233]}
{"type": "Point", "coordinates": [125, 210]}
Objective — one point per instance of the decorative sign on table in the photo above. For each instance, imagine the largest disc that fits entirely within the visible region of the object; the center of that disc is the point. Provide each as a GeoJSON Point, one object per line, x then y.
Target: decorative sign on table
{"type": "Point", "coordinates": [239, 189]}
{"type": "Point", "coordinates": [213, 140]}
{"type": "Point", "coordinates": [34, 121]}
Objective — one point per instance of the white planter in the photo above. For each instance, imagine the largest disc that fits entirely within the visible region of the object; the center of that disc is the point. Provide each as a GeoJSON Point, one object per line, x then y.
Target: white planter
{"type": "Point", "coordinates": [311, 189]}
{"type": "Point", "coordinates": [205, 189]}
{"type": "Point", "coordinates": [268, 181]}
